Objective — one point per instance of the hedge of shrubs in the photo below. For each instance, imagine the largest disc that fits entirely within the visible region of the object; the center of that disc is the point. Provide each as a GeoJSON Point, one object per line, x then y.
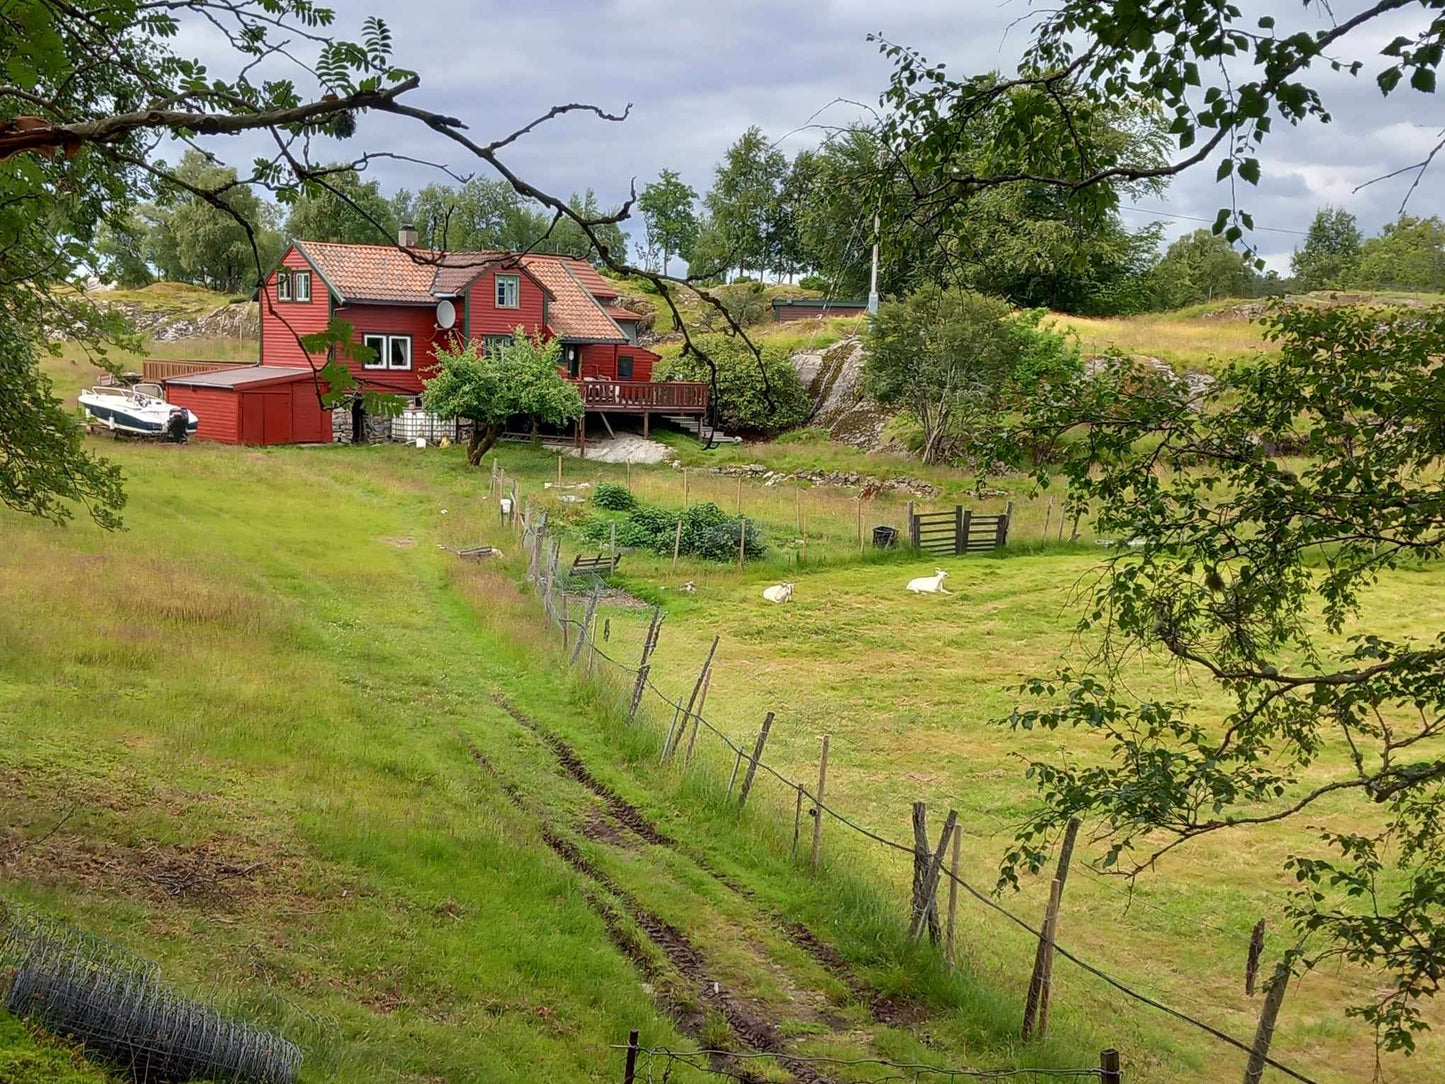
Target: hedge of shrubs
{"type": "Point", "coordinates": [707, 531]}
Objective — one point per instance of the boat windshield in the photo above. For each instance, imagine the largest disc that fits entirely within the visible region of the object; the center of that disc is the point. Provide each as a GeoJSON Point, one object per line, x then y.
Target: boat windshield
{"type": "Point", "coordinates": [152, 390]}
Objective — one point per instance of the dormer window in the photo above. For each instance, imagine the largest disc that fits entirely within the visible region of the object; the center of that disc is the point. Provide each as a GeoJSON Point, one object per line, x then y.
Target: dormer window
{"type": "Point", "coordinates": [293, 285]}
{"type": "Point", "coordinates": [508, 287]}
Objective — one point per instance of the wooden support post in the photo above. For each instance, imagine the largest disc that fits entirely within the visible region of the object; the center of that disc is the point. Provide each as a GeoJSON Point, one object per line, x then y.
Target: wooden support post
{"type": "Point", "coordinates": [953, 901]}
{"type": "Point", "coordinates": [912, 527]}
{"type": "Point", "coordinates": [1061, 522]}
{"type": "Point", "coordinates": [676, 542]}
{"type": "Point", "coordinates": [818, 803]}
{"type": "Point", "coordinates": [797, 819]}
{"type": "Point", "coordinates": [629, 474]}
{"type": "Point", "coordinates": [740, 494]}
{"type": "Point", "coordinates": [1000, 535]}
{"type": "Point", "coordinates": [732, 778]}
{"type": "Point", "coordinates": [1109, 1071]}
{"type": "Point", "coordinates": [967, 528]}
{"type": "Point", "coordinates": [684, 489]}
{"type": "Point", "coordinates": [1051, 933]}
{"type": "Point", "coordinates": [643, 665]}
{"type": "Point", "coordinates": [559, 470]}
{"type": "Point", "coordinates": [926, 904]}
{"type": "Point", "coordinates": [1251, 963]}
{"type": "Point", "coordinates": [697, 718]}
{"type": "Point", "coordinates": [742, 542]}
{"type": "Point", "coordinates": [670, 751]}
{"type": "Point", "coordinates": [612, 542]}
{"type": "Point", "coordinates": [960, 533]}
{"type": "Point", "coordinates": [585, 635]}
{"type": "Point", "coordinates": [646, 424]}
{"type": "Point", "coordinates": [1074, 530]}
{"type": "Point", "coordinates": [862, 549]}
{"type": "Point", "coordinates": [566, 623]}
{"type": "Point", "coordinates": [514, 502]}
{"type": "Point", "coordinates": [1048, 515]}
{"type": "Point", "coordinates": [1043, 956]}
{"type": "Point", "coordinates": [753, 763]}
{"type": "Point", "coordinates": [629, 1073]}
{"type": "Point", "coordinates": [1264, 1033]}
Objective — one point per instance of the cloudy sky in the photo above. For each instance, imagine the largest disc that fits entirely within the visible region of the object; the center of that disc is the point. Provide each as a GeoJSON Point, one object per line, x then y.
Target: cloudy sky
{"type": "Point", "coordinates": [698, 74]}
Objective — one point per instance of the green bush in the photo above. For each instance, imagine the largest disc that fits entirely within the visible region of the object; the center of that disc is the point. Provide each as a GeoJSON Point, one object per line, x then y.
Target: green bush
{"type": "Point", "coordinates": [707, 532]}
{"type": "Point", "coordinates": [814, 282]}
{"type": "Point", "coordinates": [614, 497]}
{"type": "Point", "coordinates": [741, 399]}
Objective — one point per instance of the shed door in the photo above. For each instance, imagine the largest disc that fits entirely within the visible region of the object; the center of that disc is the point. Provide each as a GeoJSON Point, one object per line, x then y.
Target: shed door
{"type": "Point", "coordinates": [277, 416]}
{"type": "Point", "coordinates": [252, 419]}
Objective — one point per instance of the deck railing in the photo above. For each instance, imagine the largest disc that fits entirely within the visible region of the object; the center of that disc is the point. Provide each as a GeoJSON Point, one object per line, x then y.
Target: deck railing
{"type": "Point", "coordinates": [156, 370]}
{"type": "Point", "coordinates": [681, 395]}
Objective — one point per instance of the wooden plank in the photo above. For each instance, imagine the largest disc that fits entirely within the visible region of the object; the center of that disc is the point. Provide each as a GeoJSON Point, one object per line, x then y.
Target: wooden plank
{"type": "Point", "coordinates": [818, 800]}
{"type": "Point", "coordinates": [753, 763]}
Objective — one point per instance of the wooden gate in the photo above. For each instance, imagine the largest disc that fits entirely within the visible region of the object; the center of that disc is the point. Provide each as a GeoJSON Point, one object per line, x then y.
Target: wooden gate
{"type": "Point", "coordinates": [956, 532]}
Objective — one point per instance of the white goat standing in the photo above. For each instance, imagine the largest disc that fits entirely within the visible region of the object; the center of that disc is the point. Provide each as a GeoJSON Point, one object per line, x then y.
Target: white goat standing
{"type": "Point", "coordinates": [929, 585]}
{"type": "Point", "coordinates": [779, 592]}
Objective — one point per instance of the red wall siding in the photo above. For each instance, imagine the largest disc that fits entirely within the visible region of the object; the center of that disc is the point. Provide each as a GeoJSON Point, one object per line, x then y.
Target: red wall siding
{"type": "Point", "coordinates": [600, 360]}
{"type": "Point", "coordinates": [278, 341]}
{"type": "Point", "coordinates": [217, 408]}
{"type": "Point", "coordinates": [309, 423]}
{"type": "Point", "coordinates": [418, 321]}
{"type": "Point", "coordinates": [486, 319]}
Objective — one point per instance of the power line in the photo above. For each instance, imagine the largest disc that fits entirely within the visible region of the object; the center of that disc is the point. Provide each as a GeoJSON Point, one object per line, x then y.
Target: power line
{"type": "Point", "coordinates": [1196, 218]}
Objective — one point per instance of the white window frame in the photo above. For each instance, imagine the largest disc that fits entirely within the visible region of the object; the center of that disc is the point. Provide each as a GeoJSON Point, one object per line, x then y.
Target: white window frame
{"type": "Point", "coordinates": [391, 341]}
{"type": "Point", "coordinates": [283, 285]}
{"type": "Point", "coordinates": [383, 351]}
{"type": "Point", "coordinates": [382, 344]}
{"type": "Point", "coordinates": [301, 286]}
{"type": "Point", "coordinates": [492, 343]}
{"type": "Point", "coordinates": [516, 284]}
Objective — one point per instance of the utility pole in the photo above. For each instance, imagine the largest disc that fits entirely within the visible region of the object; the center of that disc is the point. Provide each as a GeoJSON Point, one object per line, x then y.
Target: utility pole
{"type": "Point", "coordinates": [877, 228]}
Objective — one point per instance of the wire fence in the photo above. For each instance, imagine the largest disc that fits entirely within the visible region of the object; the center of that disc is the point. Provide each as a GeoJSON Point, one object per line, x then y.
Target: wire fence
{"type": "Point", "coordinates": [80, 987]}
{"type": "Point", "coordinates": [554, 588]}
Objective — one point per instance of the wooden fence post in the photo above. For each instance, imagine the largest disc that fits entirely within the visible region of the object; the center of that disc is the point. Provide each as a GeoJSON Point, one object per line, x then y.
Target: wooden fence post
{"type": "Point", "coordinates": [740, 494]}
{"type": "Point", "coordinates": [757, 756]}
{"type": "Point", "coordinates": [1000, 531]}
{"type": "Point", "coordinates": [676, 542]}
{"type": "Point", "coordinates": [1051, 933]}
{"type": "Point", "coordinates": [926, 906]}
{"type": "Point", "coordinates": [585, 634]}
{"type": "Point", "coordinates": [733, 776]}
{"type": "Point", "coordinates": [742, 541]}
{"type": "Point", "coordinates": [629, 1073]}
{"type": "Point", "coordinates": [1048, 515]}
{"type": "Point", "coordinates": [566, 624]}
{"type": "Point", "coordinates": [1251, 963]}
{"type": "Point", "coordinates": [960, 535]}
{"type": "Point", "coordinates": [559, 470]}
{"type": "Point", "coordinates": [1109, 1071]}
{"type": "Point", "coordinates": [1043, 957]}
{"type": "Point", "coordinates": [862, 549]}
{"type": "Point", "coordinates": [669, 748]}
{"type": "Point", "coordinates": [952, 900]}
{"type": "Point", "coordinates": [1264, 1033]}
{"type": "Point", "coordinates": [967, 528]}
{"type": "Point", "coordinates": [912, 527]}
{"type": "Point", "coordinates": [697, 717]}
{"type": "Point", "coordinates": [612, 543]}
{"type": "Point", "coordinates": [818, 803]}
{"type": "Point", "coordinates": [643, 666]}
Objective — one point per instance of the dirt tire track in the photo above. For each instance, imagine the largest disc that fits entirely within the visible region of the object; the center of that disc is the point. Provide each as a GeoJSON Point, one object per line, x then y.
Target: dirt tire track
{"type": "Point", "coordinates": [884, 1009]}
{"type": "Point", "coordinates": [751, 1030]}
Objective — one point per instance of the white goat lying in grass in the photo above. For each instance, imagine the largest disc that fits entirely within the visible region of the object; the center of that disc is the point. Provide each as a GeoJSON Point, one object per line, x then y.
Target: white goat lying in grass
{"type": "Point", "coordinates": [779, 592]}
{"type": "Point", "coordinates": [929, 585]}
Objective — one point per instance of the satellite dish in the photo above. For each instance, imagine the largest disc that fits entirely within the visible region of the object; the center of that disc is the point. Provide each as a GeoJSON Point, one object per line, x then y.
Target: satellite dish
{"type": "Point", "coordinates": [446, 314]}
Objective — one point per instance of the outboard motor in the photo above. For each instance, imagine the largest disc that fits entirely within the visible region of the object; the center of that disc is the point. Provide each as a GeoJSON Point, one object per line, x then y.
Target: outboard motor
{"type": "Point", "coordinates": [176, 425]}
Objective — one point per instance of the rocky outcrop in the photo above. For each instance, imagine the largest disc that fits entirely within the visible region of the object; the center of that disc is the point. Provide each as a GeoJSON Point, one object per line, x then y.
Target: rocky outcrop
{"type": "Point", "coordinates": [913, 487]}
{"type": "Point", "coordinates": [834, 380]}
{"type": "Point", "coordinates": [239, 320]}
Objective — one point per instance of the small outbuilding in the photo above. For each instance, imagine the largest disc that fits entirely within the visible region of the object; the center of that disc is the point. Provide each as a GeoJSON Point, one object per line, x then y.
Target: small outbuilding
{"type": "Point", "coordinates": [258, 404]}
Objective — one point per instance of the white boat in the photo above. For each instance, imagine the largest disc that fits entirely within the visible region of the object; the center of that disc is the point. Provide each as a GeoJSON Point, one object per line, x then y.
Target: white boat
{"type": "Point", "coordinates": [138, 408]}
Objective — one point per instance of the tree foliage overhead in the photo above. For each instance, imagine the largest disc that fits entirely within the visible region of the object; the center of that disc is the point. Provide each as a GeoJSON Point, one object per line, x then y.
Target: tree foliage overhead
{"type": "Point", "coordinates": [1235, 560]}
{"type": "Point", "coordinates": [348, 208]}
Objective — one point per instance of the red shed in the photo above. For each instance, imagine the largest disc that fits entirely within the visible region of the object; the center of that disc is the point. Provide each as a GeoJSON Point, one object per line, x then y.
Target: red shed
{"type": "Point", "coordinates": [260, 404]}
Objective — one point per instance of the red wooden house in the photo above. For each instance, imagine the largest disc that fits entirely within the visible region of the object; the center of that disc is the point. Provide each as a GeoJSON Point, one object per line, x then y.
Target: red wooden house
{"type": "Point", "coordinates": [404, 302]}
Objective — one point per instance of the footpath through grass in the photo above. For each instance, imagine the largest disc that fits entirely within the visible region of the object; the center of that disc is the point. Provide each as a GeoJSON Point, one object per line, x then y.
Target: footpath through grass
{"type": "Point", "coordinates": [310, 762]}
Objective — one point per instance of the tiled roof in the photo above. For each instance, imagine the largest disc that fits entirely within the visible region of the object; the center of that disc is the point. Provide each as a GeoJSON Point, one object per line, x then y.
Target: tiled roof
{"type": "Point", "coordinates": [587, 275]}
{"type": "Point", "coordinates": [573, 312]}
{"type": "Point", "coordinates": [622, 314]}
{"type": "Point", "coordinates": [387, 274]}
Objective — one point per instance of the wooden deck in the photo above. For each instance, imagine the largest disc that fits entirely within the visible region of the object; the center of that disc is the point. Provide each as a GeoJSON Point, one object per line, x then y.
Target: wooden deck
{"type": "Point", "coordinates": [644, 396]}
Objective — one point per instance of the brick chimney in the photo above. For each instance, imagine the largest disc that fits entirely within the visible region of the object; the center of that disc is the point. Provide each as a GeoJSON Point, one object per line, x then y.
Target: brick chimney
{"type": "Point", "coordinates": [406, 236]}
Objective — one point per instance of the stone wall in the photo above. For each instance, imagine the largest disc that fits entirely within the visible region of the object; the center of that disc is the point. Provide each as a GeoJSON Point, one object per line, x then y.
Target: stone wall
{"type": "Point", "coordinates": [403, 429]}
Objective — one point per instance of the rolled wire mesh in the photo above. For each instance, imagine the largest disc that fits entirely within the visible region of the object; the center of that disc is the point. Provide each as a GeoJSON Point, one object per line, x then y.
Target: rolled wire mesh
{"type": "Point", "coordinates": [83, 988]}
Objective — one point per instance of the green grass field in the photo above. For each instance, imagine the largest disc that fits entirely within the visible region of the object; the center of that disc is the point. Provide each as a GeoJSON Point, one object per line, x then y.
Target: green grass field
{"type": "Point", "coordinates": [275, 669]}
